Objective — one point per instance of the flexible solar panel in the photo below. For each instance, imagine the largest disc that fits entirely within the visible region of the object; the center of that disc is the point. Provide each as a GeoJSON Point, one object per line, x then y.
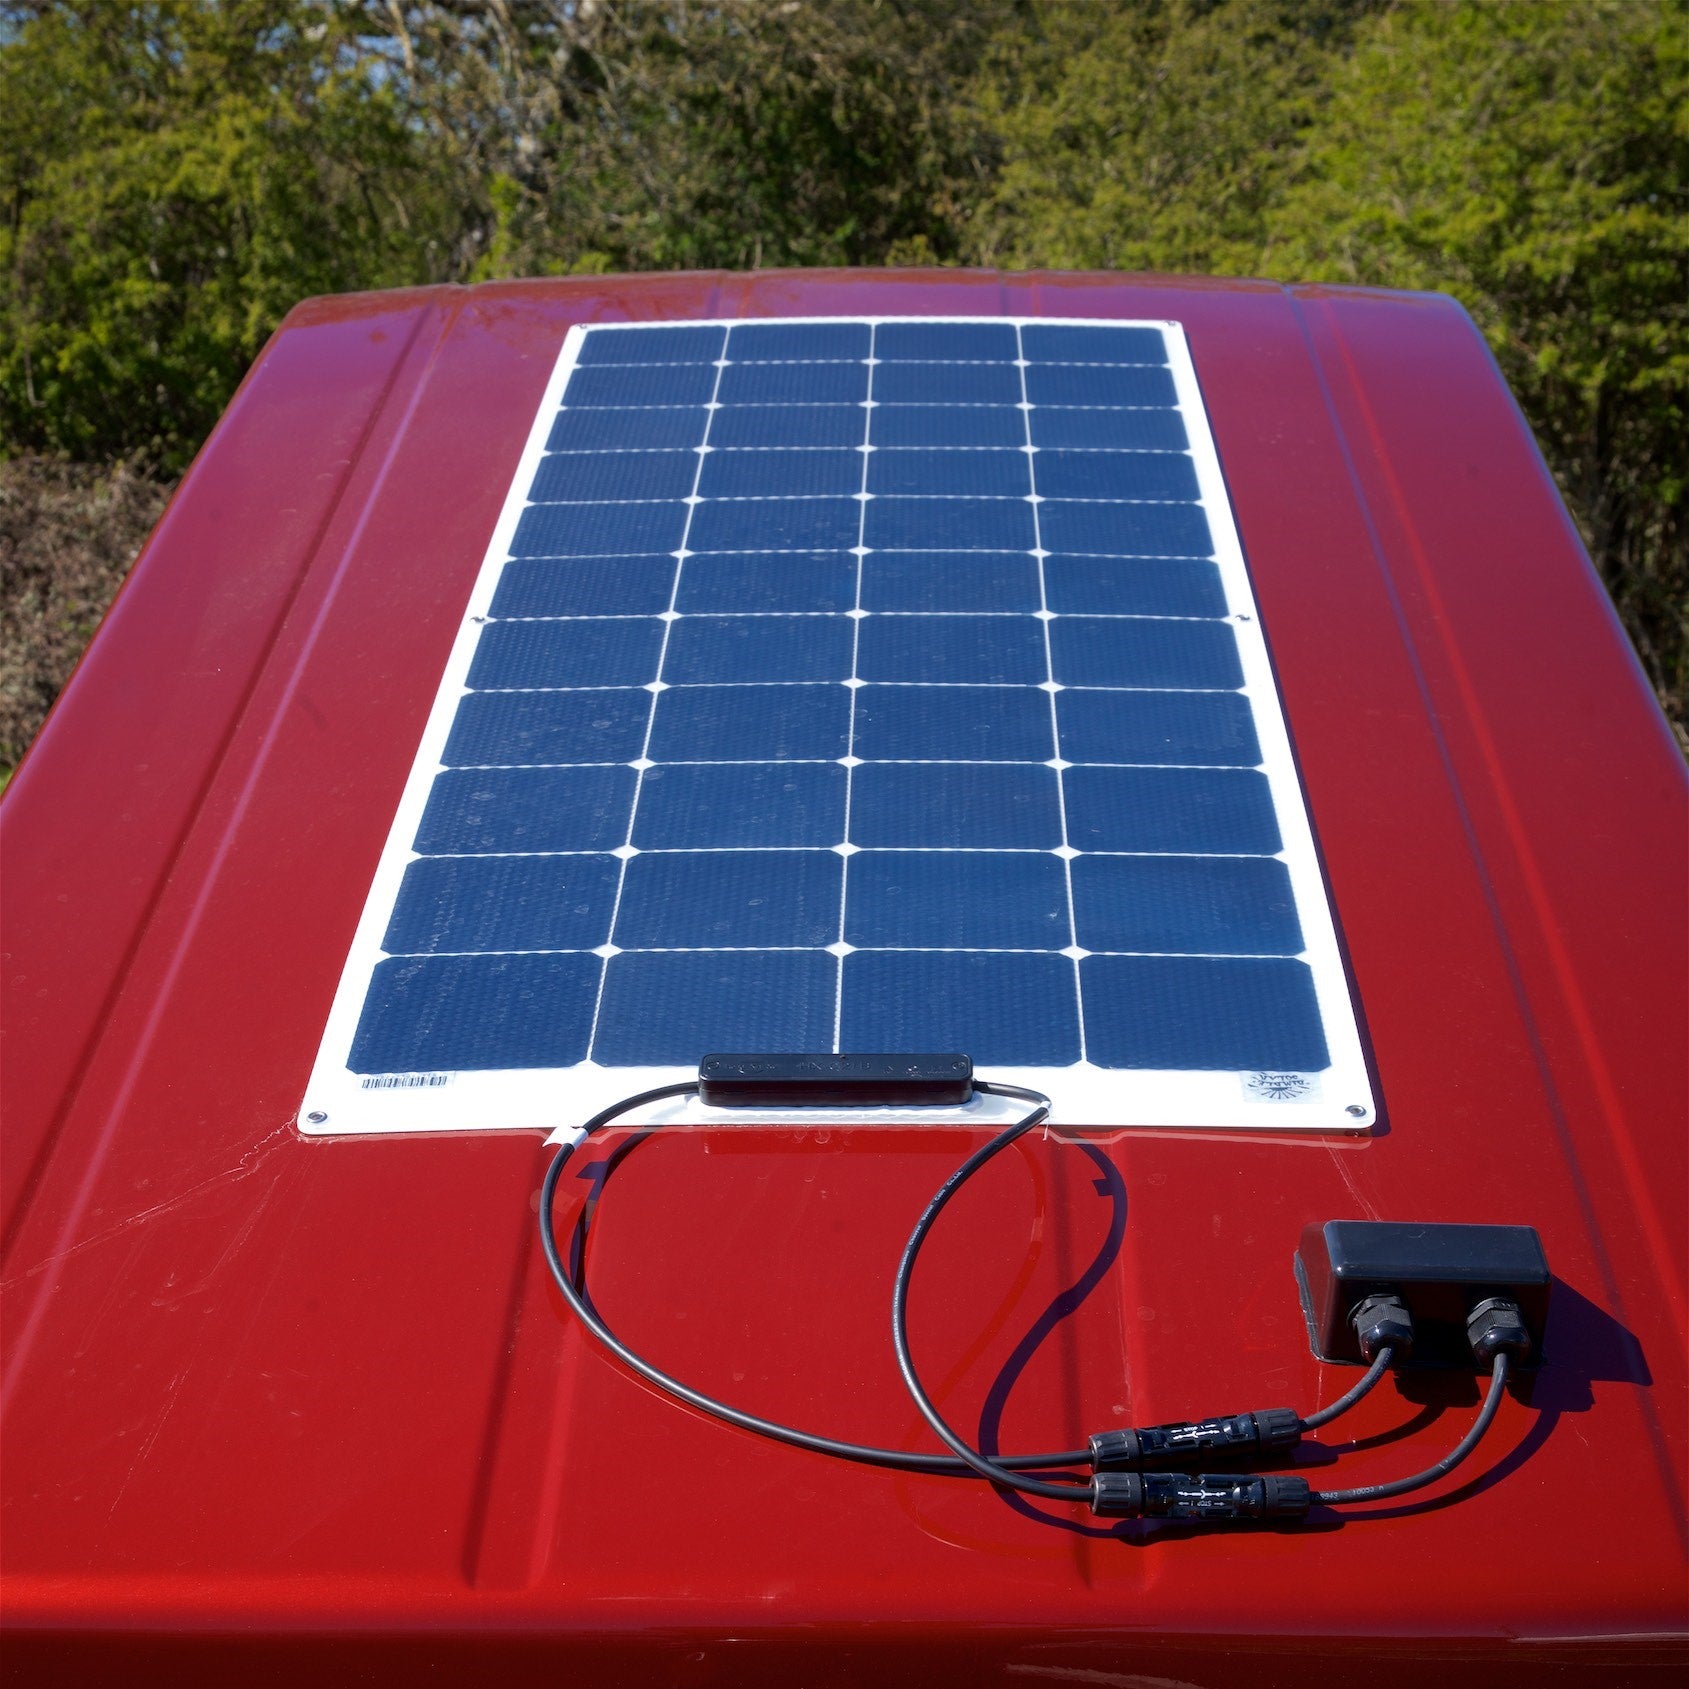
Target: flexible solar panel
{"type": "Point", "coordinates": [865, 685]}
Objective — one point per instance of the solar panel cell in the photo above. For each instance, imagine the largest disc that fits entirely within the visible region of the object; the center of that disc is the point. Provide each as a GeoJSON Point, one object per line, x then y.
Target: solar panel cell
{"type": "Point", "coordinates": [590, 651]}
{"type": "Point", "coordinates": [1134, 586]}
{"type": "Point", "coordinates": [928, 342]}
{"type": "Point", "coordinates": [1125, 530]}
{"type": "Point", "coordinates": [1095, 384]}
{"type": "Point", "coordinates": [727, 806]}
{"type": "Point", "coordinates": [1205, 811]}
{"type": "Point", "coordinates": [977, 900]}
{"type": "Point", "coordinates": [947, 384]}
{"type": "Point", "coordinates": [932, 474]}
{"type": "Point", "coordinates": [508, 903]}
{"type": "Point", "coordinates": [730, 900]}
{"type": "Point", "coordinates": [1175, 727]}
{"type": "Point", "coordinates": [598, 530]}
{"type": "Point", "coordinates": [1005, 581]}
{"type": "Point", "coordinates": [766, 582]}
{"type": "Point", "coordinates": [1236, 906]}
{"type": "Point", "coordinates": [642, 429]}
{"type": "Point", "coordinates": [669, 344]}
{"type": "Point", "coordinates": [578, 477]}
{"type": "Point", "coordinates": [775, 524]}
{"type": "Point", "coordinates": [956, 806]}
{"type": "Point", "coordinates": [738, 426]}
{"type": "Point", "coordinates": [793, 384]}
{"type": "Point", "coordinates": [667, 1007]}
{"type": "Point", "coordinates": [719, 649]}
{"type": "Point", "coordinates": [750, 724]}
{"type": "Point", "coordinates": [1107, 430]}
{"type": "Point", "coordinates": [983, 650]}
{"type": "Point", "coordinates": [1056, 343]}
{"type": "Point", "coordinates": [526, 809]}
{"type": "Point", "coordinates": [784, 342]}
{"type": "Point", "coordinates": [536, 728]}
{"type": "Point", "coordinates": [784, 474]}
{"type": "Point", "coordinates": [1007, 1009]}
{"type": "Point", "coordinates": [953, 724]}
{"type": "Point", "coordinates": [1226, 1013]}
{"type": "Point", "coordinates": [1115, 475]}
{"type": "Point", "coordinates": [474, 1013]}
{"type": "Point", "coordinates": [1139, 651]}
{"type": "Point", "coordinates": [949, 524]}
{"type": "Point", "coordinates": [586, 586]}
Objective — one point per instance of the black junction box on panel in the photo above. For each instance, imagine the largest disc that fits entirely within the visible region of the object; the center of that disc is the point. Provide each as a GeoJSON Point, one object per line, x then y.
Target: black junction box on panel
{"type": "Point", "coordinates": [1441, 1273]}
{"type": "Point", "coordinates": [853, 1081]}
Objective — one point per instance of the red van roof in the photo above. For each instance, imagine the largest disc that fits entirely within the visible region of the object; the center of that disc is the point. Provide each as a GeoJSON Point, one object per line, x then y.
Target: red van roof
{"type": "Point", "coordinates": [275, 1403]}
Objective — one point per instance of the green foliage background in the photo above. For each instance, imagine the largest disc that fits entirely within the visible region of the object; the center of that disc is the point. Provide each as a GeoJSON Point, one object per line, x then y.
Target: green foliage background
{"type": "Point", "coordinates": [174, 174]}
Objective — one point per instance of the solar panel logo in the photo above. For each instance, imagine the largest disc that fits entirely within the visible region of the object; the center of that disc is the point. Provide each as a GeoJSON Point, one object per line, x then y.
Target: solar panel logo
{"type": "Point", "coordinates": [861, 684]}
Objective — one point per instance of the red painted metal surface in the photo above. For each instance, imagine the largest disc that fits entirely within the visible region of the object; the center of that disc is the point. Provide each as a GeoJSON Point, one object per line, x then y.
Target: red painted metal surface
{"type": "Point", "coordinates": [276, 1406]}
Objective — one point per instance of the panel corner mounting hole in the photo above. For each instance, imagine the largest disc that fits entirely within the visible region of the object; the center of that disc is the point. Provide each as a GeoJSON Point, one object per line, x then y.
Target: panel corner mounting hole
{"type": "Point", "coordinates": [854, 684]}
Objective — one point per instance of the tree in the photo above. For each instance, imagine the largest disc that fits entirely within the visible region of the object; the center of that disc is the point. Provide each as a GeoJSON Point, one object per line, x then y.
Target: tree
{"type": "Point", "coordinates": [175, 175]}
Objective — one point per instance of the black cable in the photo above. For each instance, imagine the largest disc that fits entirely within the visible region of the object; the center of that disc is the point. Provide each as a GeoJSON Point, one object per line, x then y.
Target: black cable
{"type": "Point", "coordinates": [865, 1454]}
{"type": "Point", "coordinates": [998, 1471]}
{"type": "Point", "coordinates": [1418, 1480]}
{"type": "Point", "coordinates": [1324, 1416]}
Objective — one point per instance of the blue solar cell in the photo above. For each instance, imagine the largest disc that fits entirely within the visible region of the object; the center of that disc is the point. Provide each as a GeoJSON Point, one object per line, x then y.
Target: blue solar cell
{"type": "Point", "coordinates": [1000, 474]}
{"type": "Point", "coordinates": [955, 806]}
{"type": "Point", "coordinates": [472, 1013]}
{"type": "Point", "coordinates": [1003, 1009]}
{"type": "Point", "coordinates": [642, 429]}
{"type": "Point", "coordinates": [1227, 906]}
{"type": "Point", "coordinates": [1182, 727]}
{"type": "Point", "coordinates": [548, 727]}
{"type": "Point", "coordinates": [671, 1008]}
{"type": "Point", "coordinates": [1005, 581]}
{"type": "Point", "coordinates": [1125, 530]}
{"type": "Point", "coordinates": [751, 724]}
{"type": "Point", "coordinates": [946, 384]}
{"type": "Point", "coordinates": [589, 652]}
{"type": "Point", "coordinates": [1096, 384]}
{"type": "Point", "coordinates": [721, 649]}
{"type": "Point", "coordinates": [1236, 1014]}
{"type": "Point", "coordinates": [793, 384]}
{"type": "Point", "coordinates": [947, 425]}
{"type": "Point", "coordinates": [1210, 811]}
{"type": "Point", "coordinates": [740, 426]}
{"type": "Point", "coordinates": [950, 524]}
{"type": "Point", "coordinates": [768, 581]}
{"type": "Point", "coordinates": [968, 900]}
{"type": "Point", "coordinates": [780, 474]}
{"type": "Point", "coordinates": [775, 524]}
{"type": "Point", "coordinates": [463, 903]}
{"type": "Point", "coordinates": [1115, 475]}
{"type": "Point", "coordinates": [598, 530]}
{"type": "Point", "coordinates": [953, 724]}
{"type": "Point", "coordinates": [982, 342]}
{"type": "Point", "coordinates": [585, 586]}
{"type": "Point", "coordinates": [730, 900]}
{"type": "Point", "coordinates": [1134, 586]}
{"type": "Point", "coordinates": [1103, 651]}
{"type": "Point", "coordinates": [581, 477]}
{"type": "Point", "coordinates": [631, 384]}
{"type": "Point", "coordinates": [1107, 430]}
{"type": "Point", "coordinates": [1055, 343]}
{"type": "Point", "coordinates": [679, 344]}
{"type": "Point", "coordinates": [483, 811]}
{"type": "Point", "coordinates": [740, 806]}
{"type": "Point", "coordinates": [805, 342]}
{"type": "Point", "coordinates": [985, 650]}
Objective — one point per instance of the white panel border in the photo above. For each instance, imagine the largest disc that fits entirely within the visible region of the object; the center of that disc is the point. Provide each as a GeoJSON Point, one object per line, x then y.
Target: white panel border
{"type": "Point", "coordinates": [1338, 1099]}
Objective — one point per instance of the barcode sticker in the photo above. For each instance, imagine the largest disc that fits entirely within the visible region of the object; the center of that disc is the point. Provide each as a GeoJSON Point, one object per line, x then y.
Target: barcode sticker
{"type": "Point", "coordinates": [404, 1081]}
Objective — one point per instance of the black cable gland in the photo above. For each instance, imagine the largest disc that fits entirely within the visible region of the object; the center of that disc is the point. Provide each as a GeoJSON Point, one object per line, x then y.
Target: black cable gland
{"type": "Point", "coordinates": [1207, 1497]}
{"type": "Point", "coordinates": [1185, 1441]}
{"type": "Point", "coordinates": [1383, 1322]}
{"type": "Point", "coordinates": [1497, 1327]}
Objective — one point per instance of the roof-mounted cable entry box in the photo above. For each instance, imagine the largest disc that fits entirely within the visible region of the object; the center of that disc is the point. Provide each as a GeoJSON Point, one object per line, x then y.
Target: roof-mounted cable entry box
{"type": "Point", "coordinates": [1440, 1271]}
